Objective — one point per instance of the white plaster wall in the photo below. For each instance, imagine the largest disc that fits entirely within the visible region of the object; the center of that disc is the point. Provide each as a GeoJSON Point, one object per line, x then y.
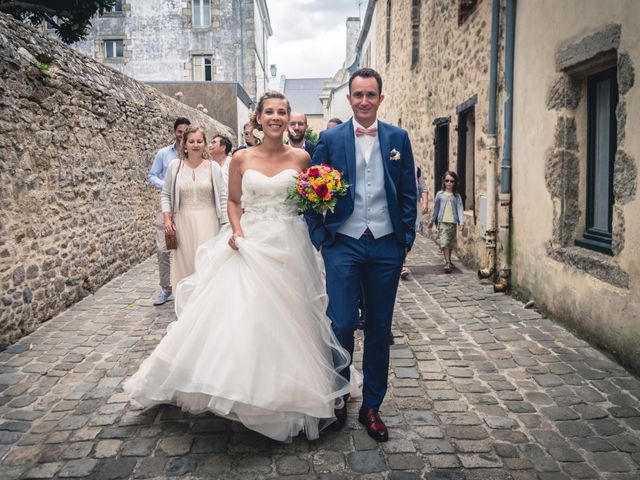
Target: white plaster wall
{"type": "Point", "coordinates": [606, 313]}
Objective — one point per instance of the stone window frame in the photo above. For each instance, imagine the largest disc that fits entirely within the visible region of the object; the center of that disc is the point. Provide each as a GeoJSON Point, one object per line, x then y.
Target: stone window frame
{"type": "Point", "coordinates": [565, 165]}
{"type": "Point", "coordinates": [466, 8]}
{"type": "Point", "coordinates": [193, 10]}
{"type": "Point", "coordinates": [462, 111]}
{"type": "Point", "coordinates": [125, 7]}
{"type": "Point", "coordinates": [101, 49]}
{"type": "Point", "coordinates": [415, 32]}
{"type": "Point", "coordinates": [187, 19]}
{"type": "Point", "coordinates": [114, 43]}
{"type": "Point", "coordinates": [594, 238]}
{"type": "Point", "coordinates": [215, 64]}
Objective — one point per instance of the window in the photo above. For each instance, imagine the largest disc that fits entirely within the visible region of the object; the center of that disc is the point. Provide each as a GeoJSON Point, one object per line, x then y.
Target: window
{"type": "Point", "coordinates": [117, 7]}
{"type": "Point", "coordinates": [201, 13]}
{"type": "Point", "coordinates": [466, 156]}
{"type": "Point", "coordinates": [441, 151]}
{"type": "Point", "coordinates": [114, 48]}
{"type": "Point", "coordinates": [602, 99]}
{"type": "Point", "coordinates": [202, 68]}
{"type": "Point", "coordinates": [388, 43]}
{"type": "Point", "coordinates": [465, 9]}
{"type": "Point", "coordinates": [415, 32]}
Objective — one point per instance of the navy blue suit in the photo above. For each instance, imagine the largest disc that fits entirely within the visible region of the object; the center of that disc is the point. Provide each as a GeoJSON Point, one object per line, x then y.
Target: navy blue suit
{"type": "Point", "coordinates": [367, 265]}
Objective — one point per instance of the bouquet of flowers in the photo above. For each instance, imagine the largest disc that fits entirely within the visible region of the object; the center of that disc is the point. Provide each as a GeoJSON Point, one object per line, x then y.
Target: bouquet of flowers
{"type": "Point", "coordinates": [317, 188]}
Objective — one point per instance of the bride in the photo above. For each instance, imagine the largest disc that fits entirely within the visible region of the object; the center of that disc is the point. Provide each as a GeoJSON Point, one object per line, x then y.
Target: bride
{"type": "Point", "coordinates": [252, 341]}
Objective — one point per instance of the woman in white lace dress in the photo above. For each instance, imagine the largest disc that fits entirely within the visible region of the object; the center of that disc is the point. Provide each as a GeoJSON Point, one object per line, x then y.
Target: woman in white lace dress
{"type": "Point", "coordinates": [194, 195]}
{"type": "Point", "coordinates": [252, 341]}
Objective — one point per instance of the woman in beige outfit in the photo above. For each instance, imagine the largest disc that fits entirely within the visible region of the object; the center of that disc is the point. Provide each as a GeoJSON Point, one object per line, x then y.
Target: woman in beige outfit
{"type": "Point", "coordinates": [195, 193]}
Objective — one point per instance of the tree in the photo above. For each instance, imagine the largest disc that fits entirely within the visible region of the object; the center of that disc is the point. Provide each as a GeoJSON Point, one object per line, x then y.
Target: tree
{"type": "Point", "coordinates": [70, 19]}
{"type": "Point", "coordinates": [310, 136]}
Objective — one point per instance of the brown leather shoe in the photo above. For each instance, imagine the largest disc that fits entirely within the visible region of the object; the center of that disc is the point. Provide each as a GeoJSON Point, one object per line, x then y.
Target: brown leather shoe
{"type": "Point", "coordinates": [373, 423]}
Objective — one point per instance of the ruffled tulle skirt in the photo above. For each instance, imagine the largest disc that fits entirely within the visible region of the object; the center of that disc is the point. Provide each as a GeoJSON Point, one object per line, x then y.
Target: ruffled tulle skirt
{"type": "Point", "coordinates": [252, 341]}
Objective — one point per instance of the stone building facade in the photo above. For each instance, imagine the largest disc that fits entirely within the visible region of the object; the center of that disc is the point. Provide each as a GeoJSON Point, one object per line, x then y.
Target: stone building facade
{"type": "Point", "coordinates": [77, 142]}
{"type": "Point", "coordinates": [185, 40]}
{"type": "Point", "coordinates": [552, 210]}
{"type": "Point", "coordinates": [203, 49]}
{"type": "Point", "coordinates": [435, 73]}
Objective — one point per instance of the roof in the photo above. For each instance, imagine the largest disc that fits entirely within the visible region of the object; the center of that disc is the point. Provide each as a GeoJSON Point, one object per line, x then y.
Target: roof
{"type": "Point", "coordinates": [304, 94]}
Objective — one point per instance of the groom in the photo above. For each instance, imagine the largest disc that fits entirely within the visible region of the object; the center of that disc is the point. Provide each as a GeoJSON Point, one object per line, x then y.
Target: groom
{"type": "Point", "coordinates": [364, 241]}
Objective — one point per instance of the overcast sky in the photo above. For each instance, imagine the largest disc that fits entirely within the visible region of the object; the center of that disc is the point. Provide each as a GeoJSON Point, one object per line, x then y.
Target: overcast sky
{"type": "Point", "coordinates": [309, 36]}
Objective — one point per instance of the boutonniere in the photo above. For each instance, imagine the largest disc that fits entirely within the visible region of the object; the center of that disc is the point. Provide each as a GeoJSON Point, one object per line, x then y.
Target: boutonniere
{"type": "Point", "coordinates": [394, 155]}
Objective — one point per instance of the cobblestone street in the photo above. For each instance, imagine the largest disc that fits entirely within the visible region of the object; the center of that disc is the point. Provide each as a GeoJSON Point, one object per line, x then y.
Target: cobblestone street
{"type": "Point", "coordinates": [480, 388]}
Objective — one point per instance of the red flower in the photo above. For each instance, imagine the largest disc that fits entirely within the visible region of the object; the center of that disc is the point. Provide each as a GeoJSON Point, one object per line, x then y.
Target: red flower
{"type": "Point", "coordinates": [314, 172]}
{"type": "Point", "coordinates": [321, 190]}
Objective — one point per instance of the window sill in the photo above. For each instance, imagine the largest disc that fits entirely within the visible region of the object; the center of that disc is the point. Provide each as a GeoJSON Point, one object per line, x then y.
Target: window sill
{"type": "Point", "coordinates": [114, 60]}
{"type": "Point", "coordinates": [595, 245]}
{"type": "Point", "coordinates": [598, 265]}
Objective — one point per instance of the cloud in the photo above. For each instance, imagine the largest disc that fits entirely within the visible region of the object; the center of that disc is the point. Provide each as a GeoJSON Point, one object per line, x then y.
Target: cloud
{"type": "Point", "coordinates": [309, 35]}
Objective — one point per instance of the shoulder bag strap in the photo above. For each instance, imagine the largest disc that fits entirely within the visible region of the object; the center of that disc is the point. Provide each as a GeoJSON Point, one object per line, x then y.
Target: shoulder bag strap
{"type": "Point", "coordinates": [175, 180]}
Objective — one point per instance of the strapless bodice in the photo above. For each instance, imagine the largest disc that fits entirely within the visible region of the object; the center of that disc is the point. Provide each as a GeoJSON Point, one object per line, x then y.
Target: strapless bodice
{"type": "Point", "coordinates": [265, 197]}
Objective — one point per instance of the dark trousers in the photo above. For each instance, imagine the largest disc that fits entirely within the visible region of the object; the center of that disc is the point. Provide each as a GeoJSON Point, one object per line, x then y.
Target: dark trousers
{"type": "Point", "coordinates": [369, 267]}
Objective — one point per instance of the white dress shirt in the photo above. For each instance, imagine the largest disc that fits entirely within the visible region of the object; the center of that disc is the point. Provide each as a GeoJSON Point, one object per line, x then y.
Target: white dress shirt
{"type": "Point", "coordinates": [365, 141]}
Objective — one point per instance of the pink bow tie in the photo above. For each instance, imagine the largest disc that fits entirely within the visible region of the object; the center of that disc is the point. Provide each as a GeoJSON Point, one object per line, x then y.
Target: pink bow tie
{"type": "Point", "coordinates": [366, 131]}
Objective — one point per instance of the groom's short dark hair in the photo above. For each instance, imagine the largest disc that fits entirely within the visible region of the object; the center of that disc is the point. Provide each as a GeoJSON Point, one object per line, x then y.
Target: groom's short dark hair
{"type": "Point", "coordinates": [366, 73]}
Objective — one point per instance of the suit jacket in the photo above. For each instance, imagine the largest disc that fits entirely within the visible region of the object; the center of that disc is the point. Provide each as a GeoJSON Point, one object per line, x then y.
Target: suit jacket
{"type": "Point", "coordinates": [310, 148]}
{"type": "Point", "coordinates": [337, 148]}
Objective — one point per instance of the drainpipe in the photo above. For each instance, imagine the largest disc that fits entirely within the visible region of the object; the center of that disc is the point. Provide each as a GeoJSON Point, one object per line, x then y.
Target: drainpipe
{"type": "Point", "coordinates": [492, 147]}
{"type": "Point", "coordinates": [504, 203]}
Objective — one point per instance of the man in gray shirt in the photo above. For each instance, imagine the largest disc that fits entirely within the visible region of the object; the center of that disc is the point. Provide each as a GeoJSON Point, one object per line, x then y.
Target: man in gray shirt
{"type": "Point", "coordinates": [156, 179]}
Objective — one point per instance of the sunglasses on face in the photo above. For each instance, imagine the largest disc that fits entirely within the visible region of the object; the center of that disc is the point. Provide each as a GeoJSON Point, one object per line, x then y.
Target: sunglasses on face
{"type": "Point", "coordinates": [449, 181]}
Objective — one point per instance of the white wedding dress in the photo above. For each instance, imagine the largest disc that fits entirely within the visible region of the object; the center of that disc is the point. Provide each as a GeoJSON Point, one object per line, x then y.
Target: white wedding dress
{"type": "Point", "coordinates": [252, 341]}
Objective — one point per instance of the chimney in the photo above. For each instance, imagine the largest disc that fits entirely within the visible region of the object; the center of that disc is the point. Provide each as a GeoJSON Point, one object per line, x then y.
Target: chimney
{"type": "Point", "coordinates": [353, 30]}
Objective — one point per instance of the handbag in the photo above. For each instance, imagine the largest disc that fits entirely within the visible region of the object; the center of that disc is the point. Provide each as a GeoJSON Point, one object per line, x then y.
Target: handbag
{"type": "Point", "coordinates": [171, 239]}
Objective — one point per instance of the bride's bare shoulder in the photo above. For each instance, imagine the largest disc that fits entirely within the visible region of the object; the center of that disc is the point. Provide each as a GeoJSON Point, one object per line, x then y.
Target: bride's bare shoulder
{"type": "Point", "coordinates": [301, 157]}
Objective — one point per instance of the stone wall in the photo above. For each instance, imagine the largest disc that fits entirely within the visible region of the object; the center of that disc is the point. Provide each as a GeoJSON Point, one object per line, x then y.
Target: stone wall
{"type": "Point", "coordinates": [452, 68]}
{"type": "Point", "coordinates": [77, 142]}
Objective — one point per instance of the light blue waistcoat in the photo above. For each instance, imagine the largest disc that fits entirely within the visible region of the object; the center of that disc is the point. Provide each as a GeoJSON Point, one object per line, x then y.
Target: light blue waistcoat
{"type": "Point", "coordinates": [370, 207]}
